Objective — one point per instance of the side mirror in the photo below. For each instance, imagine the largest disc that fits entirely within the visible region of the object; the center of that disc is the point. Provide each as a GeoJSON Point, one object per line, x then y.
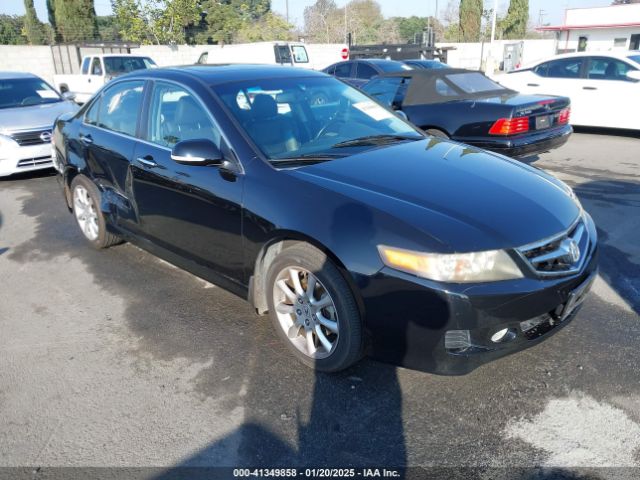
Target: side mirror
{"type": "Point", "coordinates": [197, 152]}
{"type": "Point", "coordinates": [633, 75]}
{"type": "Point", "coordinates": [70, 96]}
{"type": "Point", "coordinates": [401, 114]}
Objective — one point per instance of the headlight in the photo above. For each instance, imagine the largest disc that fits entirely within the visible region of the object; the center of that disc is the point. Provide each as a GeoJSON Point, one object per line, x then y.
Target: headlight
{"type": "Point", "coordinates": [6, 141]}
{"type": "Point", "coordinates": [489, 266]}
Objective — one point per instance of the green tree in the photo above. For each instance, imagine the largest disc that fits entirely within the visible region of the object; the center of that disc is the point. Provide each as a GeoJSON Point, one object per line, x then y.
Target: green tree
{"type": "Point", "coordinates": [130, 22]}
{"type": "Point", "coordinates": [470, 19]}
{"type": "Point", "coordinates": [324, 23]}
{"type": "Point", "coordinates": [220, 24]}
{"type": "Point", "coordinates": [411, 28]}
{"type": "Point", "coordinates": [108, 28]}
{"type": "Point", "coordinates": [270, 26]}
{"type": "Point", "coordinates": [11, 30]}
{"type": "Point", "coordinates": [75, 20]}
{"type": "Point", "coordinates": [51, 16]}
{"type": "Point", "coordinates": [33, 28]}
{"type": "Point", "coordinates": [514, 24]}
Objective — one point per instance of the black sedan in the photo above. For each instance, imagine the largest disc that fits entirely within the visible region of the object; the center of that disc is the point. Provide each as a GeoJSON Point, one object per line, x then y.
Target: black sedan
{"type": "Point", "coordinates": [359, 72]}
{"type": "Point", "coordinates": [466, 106]}
{"type": "Point", "coordinates": [353, 230]}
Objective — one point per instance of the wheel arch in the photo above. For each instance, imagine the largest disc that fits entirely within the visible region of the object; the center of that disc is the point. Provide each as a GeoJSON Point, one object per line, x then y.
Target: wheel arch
{"type": "Point", "coordinates": [280, 241]}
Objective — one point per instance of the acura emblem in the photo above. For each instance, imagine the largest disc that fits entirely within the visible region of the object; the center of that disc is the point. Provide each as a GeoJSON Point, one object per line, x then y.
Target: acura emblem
{"type": "Point", "coordinates": [571, 250]}
{"type": "Point", "coordinates": [45, 136]}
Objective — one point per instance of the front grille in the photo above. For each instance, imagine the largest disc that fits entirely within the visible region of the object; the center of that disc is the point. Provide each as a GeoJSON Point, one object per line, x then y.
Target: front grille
{"type": "Point", "coordinates": [32, 137]}
{"type": "Point", "coordinates": [34, 162]}
{"type": "Point", "coordinates": [562, 254]}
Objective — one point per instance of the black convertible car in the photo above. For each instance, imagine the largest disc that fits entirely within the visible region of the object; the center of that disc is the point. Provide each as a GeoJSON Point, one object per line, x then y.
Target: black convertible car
{"type": "Point", "coordinates": [466, 106]}
{"type": "Point", "coordinates": [354, 231]}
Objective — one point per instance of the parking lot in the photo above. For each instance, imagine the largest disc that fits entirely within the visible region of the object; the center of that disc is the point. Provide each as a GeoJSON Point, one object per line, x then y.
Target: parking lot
{"type": "Point", "coordinates": [115, 358]}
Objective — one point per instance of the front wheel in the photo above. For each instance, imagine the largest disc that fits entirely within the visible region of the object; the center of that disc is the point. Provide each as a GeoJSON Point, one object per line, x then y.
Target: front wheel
{"type": "Point", "coordinates": [86, 208]}
{"type": "Point", "coordinates": [313, 310]}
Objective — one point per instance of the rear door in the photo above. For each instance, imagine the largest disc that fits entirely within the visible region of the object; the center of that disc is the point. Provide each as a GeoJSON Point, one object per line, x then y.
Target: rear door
{"type": "Point", "coordinates": [108, 138]}
{"type": "Point", "coordinates": [345, 71]}
{"type": "Point", "coordinates": [363, 73]}
{"type": "Point", "coordinates": [613, 98]}
{"type": "Point", "coordinates": [194, 211]}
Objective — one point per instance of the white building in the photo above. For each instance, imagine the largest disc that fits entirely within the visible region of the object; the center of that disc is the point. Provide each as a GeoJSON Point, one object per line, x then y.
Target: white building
{"type": "Point", "coordinates": [614, 27]}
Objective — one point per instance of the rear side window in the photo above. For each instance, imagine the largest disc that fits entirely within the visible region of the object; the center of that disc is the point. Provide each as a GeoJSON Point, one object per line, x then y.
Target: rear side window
{"type": "Point", "coordinates": [343, 70]}
{"type": "Point", "coordinates": [283, 54]}
{"type": "Point", "coordinates": [562, 68]}
{"type": "Point", "coordinates": [119, 107]}
{"type": "Point", "coordinates": [474, 82]}
{"type": "Point", "coordinates": [389, 91]}
{"type": "Point", "coordinates": [603, 68]}
{"type": "Point", "coordinates": [364, 71]}
{"type": "Point", "coordinates": [444, 89]}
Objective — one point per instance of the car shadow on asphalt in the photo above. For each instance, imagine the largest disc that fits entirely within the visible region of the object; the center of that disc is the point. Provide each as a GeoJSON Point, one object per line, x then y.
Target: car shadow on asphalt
{"type": "Point", "coordinates": [609, 132]}
{"type": "Point", "coordinates": [617, 268]}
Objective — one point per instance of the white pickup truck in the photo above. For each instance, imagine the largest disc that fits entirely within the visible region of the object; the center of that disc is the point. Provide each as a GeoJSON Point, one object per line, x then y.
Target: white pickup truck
{"type": "Point", "coordinates": [95, 71]}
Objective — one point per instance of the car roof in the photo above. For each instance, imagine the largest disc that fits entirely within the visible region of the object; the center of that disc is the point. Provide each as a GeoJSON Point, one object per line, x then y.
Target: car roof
{"type": "Point", "coordinates": [621, 55]}
{"type": "Point", "coordinates": [435, 72]}
{"type": "Point", "coordinates": [218, 74]}
{"type": "Point", "coordinates": [107, 55]}
{"type": "Point", "coordinates": [15, 75]}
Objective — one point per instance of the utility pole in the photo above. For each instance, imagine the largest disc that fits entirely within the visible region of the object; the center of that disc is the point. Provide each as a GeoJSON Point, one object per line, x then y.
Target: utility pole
{"type": "Point", "coordinates": [493, 20]}
{"type": "Point", "coordinates": [287, 9]}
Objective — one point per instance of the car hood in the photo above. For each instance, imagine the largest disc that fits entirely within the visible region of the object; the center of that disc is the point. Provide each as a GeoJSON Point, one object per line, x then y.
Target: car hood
{"type": "Point", "coordinates": [464, 198]}
{"type": "Point", "coordinates": [33, 117]}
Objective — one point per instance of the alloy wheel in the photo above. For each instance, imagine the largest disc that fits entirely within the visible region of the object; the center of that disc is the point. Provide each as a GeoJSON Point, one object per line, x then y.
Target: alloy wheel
{"type": "Point", "coordinates": [85, 212]}
{"type": "Point", "coordinates": [306, 312]}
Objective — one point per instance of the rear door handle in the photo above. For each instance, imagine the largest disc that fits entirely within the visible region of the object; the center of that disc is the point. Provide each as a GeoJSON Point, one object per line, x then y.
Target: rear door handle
{"type": "Point", "coordinates": [589, 88]}
{"type": "Point", "coordinates": [533, 84]}
{"type": "Point", "coordinates": [147, 161]}
{"type": "Point", "coordinates": [86, 138]}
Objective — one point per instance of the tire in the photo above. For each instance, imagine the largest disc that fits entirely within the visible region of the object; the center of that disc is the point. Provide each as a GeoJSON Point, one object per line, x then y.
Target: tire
{"type": "Point", "coordinates": [434, 132]}
{"type": "Point", "coordinates": [89, 217]}
{"type": "Point", "coordinates": [338, 318]}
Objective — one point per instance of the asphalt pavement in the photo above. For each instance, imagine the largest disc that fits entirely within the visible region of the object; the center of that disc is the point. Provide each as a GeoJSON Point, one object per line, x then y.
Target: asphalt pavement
{"type": "Point", "coordinates": [116, 358]}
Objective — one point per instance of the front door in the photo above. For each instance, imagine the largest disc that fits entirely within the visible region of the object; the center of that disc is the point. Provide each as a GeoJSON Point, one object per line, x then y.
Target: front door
{"type": "Point", "coordinates": [194, 211]}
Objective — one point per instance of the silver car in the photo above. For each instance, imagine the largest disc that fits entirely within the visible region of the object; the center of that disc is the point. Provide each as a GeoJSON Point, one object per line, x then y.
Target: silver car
{"type": "Point", "coordinates": [28, 108]}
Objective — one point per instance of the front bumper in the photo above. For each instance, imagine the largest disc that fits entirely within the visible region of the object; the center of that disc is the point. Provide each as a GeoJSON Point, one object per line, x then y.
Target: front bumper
{"type": "Point", "coordinates": [18, 159]}
{"type": "Point", "coordinates": [414, 322]}
{"type": "Point", "coordinates": [527, 144]}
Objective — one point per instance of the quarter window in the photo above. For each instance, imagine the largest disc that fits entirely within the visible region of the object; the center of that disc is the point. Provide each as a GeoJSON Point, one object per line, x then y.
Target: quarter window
{"type": "Point", "coordinates": [176, 115]}
{"type": "Point", "coordinates": [119, 107]}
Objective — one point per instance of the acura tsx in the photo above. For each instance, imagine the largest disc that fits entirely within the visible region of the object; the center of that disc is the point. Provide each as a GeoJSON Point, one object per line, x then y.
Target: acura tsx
{"type": "Point", "coordinates": [354, 231]}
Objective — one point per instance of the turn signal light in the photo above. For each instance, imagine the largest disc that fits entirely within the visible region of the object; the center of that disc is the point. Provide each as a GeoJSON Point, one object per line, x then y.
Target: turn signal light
{"type": "Point", "coordinates": [563, 116]}
{"type": "Point", "coordinates": [510, 126]}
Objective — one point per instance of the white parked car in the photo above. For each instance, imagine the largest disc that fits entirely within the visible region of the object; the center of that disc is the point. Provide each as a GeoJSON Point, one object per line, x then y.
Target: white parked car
{"type": "Point", "coordinates": [28, 108]}
{"type": "Point", "coordinates": [604, 87]}
{"type": "Point", "coordinates": [96, 70]}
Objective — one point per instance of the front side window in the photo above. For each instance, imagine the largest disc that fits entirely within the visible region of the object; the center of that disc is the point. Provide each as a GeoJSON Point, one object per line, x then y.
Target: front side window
{"type": "Point", "coordinates": [284, 122]}
{"type": "Point", "coordinates": [96, 68]}
{"type": "Point", "coordinates": [24, 92]}
{"type": "Point", "coordinates": [85, 65]}
{"type": "Point", "coordinates": [119, 107]}
{"type": "Point", "coordinates": [283, 54]}
{"type": "Point", "coordinates": [603, 68]}
{"type": "Point", "coordinates": [299, 54]}
{"type": "Point", "coordinates": [177, 115]}
{"type": "Point", "coordinates": [91, 117]}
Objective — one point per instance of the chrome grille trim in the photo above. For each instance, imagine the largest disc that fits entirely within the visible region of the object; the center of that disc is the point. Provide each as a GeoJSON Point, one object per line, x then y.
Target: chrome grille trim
{"type": "Point", "coordinates": [35, 162]}
{"type": "Point", "coordinates": [549, 257]}
{"type": "Point", "coordinates": [26, 138]}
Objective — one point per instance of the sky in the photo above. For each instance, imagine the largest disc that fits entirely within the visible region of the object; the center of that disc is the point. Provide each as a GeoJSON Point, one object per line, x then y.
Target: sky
{"type": "Point", "coordinates": [553, 9]}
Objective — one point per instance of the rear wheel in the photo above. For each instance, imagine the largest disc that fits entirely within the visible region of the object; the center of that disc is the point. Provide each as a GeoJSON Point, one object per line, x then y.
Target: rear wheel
{"type": "Point", "coordinates": [434, 132]}
{"type": "Point", "coordinates": [313, 310]}
{"type": "Point", "coordinates": [86, 208]}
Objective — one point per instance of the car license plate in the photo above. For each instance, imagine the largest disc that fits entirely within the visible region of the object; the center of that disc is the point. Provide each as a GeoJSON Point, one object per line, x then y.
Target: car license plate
{"type": "Point", "coordinates": [543, 121]}
{"type": "Point", "coordinates": [577, 296]}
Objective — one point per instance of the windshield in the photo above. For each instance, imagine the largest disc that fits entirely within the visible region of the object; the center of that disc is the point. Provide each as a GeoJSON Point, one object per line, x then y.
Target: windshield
{"type": "Point", "coordinates": [285, 120]}
{"type": "Point", "coordinates": [24, 92]}
{"type": "Point", "coordinates": [122, 65]}
{"type": "Point", "coordinates": [473, 82]}
{"type": "Point", "coordinates": [635, 58]}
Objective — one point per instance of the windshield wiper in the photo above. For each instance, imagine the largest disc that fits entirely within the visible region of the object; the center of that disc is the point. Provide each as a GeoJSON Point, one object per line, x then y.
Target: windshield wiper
{"type": "Point", "coordinates": [376, 140]}
{"type": "Point", "coordinates": [306, 158]}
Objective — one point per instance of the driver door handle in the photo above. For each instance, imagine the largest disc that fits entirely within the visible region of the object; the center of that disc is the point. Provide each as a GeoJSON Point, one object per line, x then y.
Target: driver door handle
{"type": "Point", "coordinates": [147, 161]}
{"type": "Point", "coordinates": [86, 138]}
{"type": "Point", "coordinates": [589, 88]}
{"type": "Point", "coordinates": [533, 84]}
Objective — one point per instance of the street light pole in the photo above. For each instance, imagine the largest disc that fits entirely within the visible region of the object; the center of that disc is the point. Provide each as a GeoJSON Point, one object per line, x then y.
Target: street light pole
{"type": "Point", "coordinates": [493, 20]}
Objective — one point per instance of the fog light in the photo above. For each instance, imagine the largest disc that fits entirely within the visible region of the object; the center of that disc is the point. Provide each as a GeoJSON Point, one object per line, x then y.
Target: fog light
{"type": "Point", "coordinates": [504, 335]}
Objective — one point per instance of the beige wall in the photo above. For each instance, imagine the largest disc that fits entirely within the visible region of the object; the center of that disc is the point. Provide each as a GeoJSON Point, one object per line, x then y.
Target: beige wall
{"type": "Point", "coordinates": [25, 58]}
